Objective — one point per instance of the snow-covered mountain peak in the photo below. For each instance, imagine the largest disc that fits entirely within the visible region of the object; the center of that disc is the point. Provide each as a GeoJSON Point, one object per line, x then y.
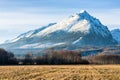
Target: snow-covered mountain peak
{"type": "Point", "coordinates": [80, 29]}
{"type": "Point", "coordinates": [86, 23]}
{"type": "Point", "coordinates": [85, 16]}
{"type": "Point", "coordinates": [82, 15]}
{"type": "Point", "coordinates": [82, 11]}
{"type": "Point", "coordinates": [81, 22]}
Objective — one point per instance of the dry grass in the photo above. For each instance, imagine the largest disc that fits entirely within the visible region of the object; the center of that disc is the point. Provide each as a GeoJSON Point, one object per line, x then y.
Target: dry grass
{"type": "Point", "coordinates": [62, 72]}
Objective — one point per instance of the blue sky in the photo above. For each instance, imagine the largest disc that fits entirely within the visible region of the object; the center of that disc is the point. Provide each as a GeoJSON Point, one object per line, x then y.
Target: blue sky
{"type": "Point", "coordinates": [18, 16]}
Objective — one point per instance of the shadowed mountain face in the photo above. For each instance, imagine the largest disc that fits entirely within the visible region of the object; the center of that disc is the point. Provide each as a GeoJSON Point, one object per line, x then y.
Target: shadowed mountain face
{"type": "Point", "coordinates": [78, 30]}
{"type": "Point", "coordinates": [116, 34]}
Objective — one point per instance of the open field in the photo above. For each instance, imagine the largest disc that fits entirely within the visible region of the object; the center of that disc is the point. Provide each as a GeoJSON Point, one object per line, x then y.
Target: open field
{"type": "Point", "coordinates": [60, 72]}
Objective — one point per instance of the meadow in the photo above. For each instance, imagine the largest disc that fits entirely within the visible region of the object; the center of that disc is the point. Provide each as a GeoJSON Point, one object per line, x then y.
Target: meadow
{"type": "Point", "coordinates": [60, 72]}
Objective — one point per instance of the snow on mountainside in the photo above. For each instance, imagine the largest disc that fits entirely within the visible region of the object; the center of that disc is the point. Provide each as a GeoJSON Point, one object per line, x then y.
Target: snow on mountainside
{"type": "Point", "coordinates": [82, 22]}
{"type": "Point", "coordinates": [116, 34]}
{"type": "Point", "coordinates": [28, 34]}
{"type": "Point", "coordinates": [80, 29]}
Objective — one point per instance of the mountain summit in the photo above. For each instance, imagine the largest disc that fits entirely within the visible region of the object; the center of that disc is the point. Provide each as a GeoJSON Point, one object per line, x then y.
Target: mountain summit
{"type": "Point", "coordinates": [78, 30]}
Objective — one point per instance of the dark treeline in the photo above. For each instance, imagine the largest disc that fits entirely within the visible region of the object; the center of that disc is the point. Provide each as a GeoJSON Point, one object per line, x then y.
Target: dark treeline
{"type": "Point", "coordinates": [7, 58]}
{"type": "Point", "coordinates": [106, 59]}
{"type": "Point", "coordinates": [61, 57]}
{"type": "Point", "coordinates": [57, 57]}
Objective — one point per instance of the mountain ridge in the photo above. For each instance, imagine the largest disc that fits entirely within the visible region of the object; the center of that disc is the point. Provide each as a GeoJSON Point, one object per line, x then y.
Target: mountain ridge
{"type": "Point", "coordinates": [116, 34]}
{"type": "Point", "coordinates": [80, 29]}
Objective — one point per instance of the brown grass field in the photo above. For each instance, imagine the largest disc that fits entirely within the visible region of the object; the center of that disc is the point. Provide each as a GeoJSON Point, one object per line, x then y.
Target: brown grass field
{"type": "Point", "coordinates": [60, 72]}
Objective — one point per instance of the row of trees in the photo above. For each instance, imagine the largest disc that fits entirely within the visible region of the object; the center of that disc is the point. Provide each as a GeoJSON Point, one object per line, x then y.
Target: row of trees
{"type": "Point", "coordinates": [58, 57]}
{"type": "Point", "coordinates": [7, 58]}
{"type": "Point", "coordinates": [49, 57]}
{"type": "Point", "coordinates": [105, 59]}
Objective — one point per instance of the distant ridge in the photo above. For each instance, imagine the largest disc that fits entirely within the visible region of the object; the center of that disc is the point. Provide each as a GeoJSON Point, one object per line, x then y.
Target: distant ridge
{"type": "Point", "coordinates": [116, 34]}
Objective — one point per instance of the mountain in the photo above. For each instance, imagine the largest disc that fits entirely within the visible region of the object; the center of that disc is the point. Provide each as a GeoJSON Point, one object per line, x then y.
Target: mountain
{"type": "Point", "coordinates": [29, 33]}
{"type": "Point", "coordinates": [78, 30]}
{"type": "Point", "coordinates": [116, 34]}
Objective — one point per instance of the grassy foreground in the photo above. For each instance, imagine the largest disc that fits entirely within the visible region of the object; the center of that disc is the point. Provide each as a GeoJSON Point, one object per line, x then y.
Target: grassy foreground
{"type": "Point", "coordinates": [60, 72]}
